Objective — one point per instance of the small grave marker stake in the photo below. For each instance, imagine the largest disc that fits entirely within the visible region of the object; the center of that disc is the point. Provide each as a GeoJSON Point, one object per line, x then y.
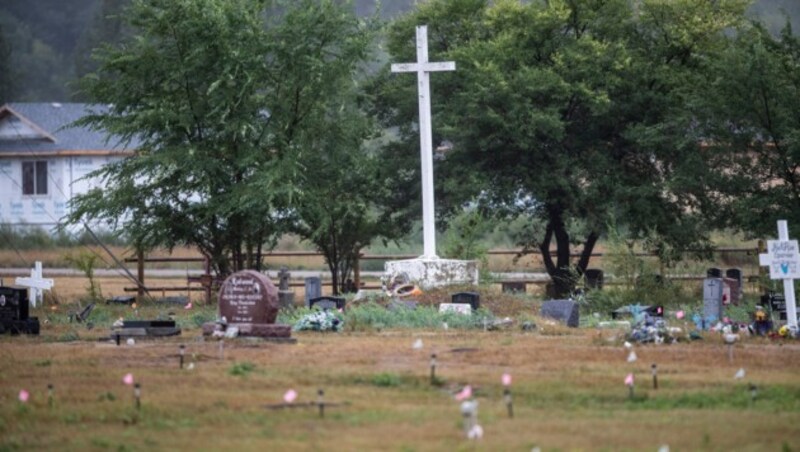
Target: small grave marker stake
{"type": "Point", "coordinates": [654, 370]}
{"type": "Point", "coordinates": [137, 394]}
{"type": "Point", "coordinates": [509, 404]}
{"type": "Point", "coordinates": [50, 395]}
{"type": "Point", "coordinates": [321, 402]}
{"type": "Point", "coordinates": [182, 351]}
{"type": "Point", "coordinates": [433, 368]}
{"type": "Point", "coordinates": [222, 349]}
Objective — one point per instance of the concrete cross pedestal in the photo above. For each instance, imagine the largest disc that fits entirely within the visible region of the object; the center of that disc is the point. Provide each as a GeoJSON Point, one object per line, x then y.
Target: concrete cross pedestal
{"type": "Point", "coordinates": [428, 270]}
{"type": "Point", "coordinates": [783, 260]}
{"type": "Point", "coordinates": [35, 284]}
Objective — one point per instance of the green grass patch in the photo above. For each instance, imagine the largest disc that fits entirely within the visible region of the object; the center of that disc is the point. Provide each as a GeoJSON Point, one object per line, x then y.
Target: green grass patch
{"type": "Point", "coordinates": [242, 369]}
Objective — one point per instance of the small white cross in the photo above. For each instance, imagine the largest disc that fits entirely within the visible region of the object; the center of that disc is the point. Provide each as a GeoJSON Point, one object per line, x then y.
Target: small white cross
{"type": "Point", "coordinates": [423, 67]}
{"type": "Point", "coordinates": [783, 260]}
{"type": "Point", "coordinates": [35, 284]}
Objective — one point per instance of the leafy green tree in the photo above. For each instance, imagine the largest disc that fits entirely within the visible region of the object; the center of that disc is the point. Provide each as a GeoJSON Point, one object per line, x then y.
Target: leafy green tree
{"type": "Point", "coordinates": [753, 128]}
{"type": "Point", "coordinates": [567, 112]}
{"type": "Point", "coordinates": [339, 209]}
{"type": "Point", "coordinates": [221, 98]}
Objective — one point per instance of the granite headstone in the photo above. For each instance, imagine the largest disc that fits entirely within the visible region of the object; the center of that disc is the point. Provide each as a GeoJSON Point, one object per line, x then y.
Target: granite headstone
{"type": "Point", "coordinates": [327, 303]}
{"type": "Point", "coordinates": [562, 310]}
{"type": "Point", "coordinates": [713, 292]}
{"type": "Point", "coordinates": [248, 301]}
{"type": "Point", "coordinates": [471, 298]}
{"type": "Point", "coordinates": [14, 312]}
{"type": "Point", "coordinates": [313, 289]}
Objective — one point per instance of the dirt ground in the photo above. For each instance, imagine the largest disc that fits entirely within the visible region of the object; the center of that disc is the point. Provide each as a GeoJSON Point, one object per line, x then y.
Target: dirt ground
{"type": "Point", "coordinates": [567, 391]}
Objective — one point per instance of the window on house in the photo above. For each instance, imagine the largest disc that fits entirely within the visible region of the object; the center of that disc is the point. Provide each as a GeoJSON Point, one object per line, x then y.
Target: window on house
{"type": "Point", "coordinates": [34, 178]}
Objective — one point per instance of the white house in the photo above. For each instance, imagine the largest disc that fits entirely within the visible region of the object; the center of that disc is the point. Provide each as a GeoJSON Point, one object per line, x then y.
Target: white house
{"type": "Point", "coordinates": [43, 161]}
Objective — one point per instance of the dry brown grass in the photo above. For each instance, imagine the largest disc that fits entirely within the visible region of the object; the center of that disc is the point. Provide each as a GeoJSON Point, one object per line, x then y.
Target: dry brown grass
{"type": "Point", "coordinates": [568, 392]}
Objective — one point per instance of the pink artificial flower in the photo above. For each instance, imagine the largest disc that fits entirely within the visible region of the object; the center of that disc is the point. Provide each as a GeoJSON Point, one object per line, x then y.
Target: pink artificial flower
{"type": "Point", "coordinates": [465, 393]}
{"type": "Point", "coordinates": [290, 396]}
{"type": "Point", "coordinates": [506, 379]}
{"type": "Point", "coordinates": [188, 305]}
{"type": "Point", "coordinates": [23, 396]}
{"type": "Point", "coordinates": [679, 315]}
{"type": "Point", "coordinates": [629, 380]}
{"type": "Point", "coordinates": [128, 379]}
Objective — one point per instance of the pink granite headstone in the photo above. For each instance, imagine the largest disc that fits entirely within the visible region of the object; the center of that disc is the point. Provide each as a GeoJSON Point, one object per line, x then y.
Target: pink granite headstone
{"type": "Point", "coordinates": [248, 301]}
{"type": "Point", "coordinates": [248, 297]}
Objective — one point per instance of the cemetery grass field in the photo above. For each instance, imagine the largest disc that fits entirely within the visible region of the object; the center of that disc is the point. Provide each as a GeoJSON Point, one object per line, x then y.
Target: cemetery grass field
{"type": "Point", "coordinates": [567, 389]}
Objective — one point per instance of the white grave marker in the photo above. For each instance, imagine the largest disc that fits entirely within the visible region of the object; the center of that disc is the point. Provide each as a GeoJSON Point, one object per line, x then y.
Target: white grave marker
{"type": "Point", "coordinates": [35, 284]}
{"type": "Point", "coordinates": [423, 68]}
{"type": "Point", "coordinates": [783, 260]}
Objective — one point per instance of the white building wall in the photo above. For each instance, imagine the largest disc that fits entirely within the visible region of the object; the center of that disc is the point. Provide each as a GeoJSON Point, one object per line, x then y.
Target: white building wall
{"type": "Point", "coordinates": [64, 181]}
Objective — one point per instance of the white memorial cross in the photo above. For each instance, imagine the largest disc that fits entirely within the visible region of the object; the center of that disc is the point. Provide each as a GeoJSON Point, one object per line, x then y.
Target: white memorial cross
{"type": "Point", "coordinates": [35, 284]}
{"type": "Point", "coordinates": [783, 260]}
{"type": "Point", "coordinates": [423, 67]}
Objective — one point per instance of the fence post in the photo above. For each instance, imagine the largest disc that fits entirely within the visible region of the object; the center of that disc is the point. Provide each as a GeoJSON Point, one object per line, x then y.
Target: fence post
{"type": "Point", "coordinates": [357, 271]}
{"type": "Point", "coordinates": [208, 279]}
{"type": "Point", "coordinates": [140, 274]}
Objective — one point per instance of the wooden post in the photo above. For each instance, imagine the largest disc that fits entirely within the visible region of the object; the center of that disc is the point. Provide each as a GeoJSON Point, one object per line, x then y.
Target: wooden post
{"type": "Point", "coordinates": [762, 271]}
{"type": "Point", "coordinates": [357, 272]}
{"type": "Point", "coordinates": [209, 279]}
{"type": "Point", "coordinates": [140, 274]}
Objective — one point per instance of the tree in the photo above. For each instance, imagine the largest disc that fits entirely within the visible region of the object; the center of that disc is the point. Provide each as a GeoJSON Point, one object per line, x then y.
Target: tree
{"type": "Point", "coordinates": [220, 98]}
{"type": "Point", "coordinates": [6, 74]}
{"type": "Point", "coordinates": [753, 129]}
{"type": "Point", "coordinates": [568, 112]}
{"type": "Point", "coordinates": [340, 209]}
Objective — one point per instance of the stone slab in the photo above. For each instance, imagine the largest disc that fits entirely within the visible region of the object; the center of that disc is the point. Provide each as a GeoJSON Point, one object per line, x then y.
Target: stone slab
{"type": "Point", "coordinates": [430, 273]}
{"type": "Point", "coordinates": [254, 330]}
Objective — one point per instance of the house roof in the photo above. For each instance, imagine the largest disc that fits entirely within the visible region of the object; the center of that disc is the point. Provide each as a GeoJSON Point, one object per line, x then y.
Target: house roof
{"type": "Point", "coordinates": [42, 129]}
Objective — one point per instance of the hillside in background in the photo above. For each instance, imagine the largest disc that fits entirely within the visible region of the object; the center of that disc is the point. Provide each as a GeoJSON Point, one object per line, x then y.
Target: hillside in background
{"type": "Point", "coordinates": [46, 44]}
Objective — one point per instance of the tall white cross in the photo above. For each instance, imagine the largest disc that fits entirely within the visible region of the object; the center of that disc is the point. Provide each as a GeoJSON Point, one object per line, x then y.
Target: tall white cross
{"type": "Point", "coordinates": [783, 260]}
{"type": "Point", "coordinates": [423, 67]}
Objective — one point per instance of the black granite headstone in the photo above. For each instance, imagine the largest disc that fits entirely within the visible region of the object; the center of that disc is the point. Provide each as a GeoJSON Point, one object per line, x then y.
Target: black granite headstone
{"type": "Point", "coordinates": [327, 303]}
{"type": "Point", "coordinates": [714, 272]}
{"type": "Point", "coordinates": [563, 311]}
{"type": "Point", "coordinates": [471, 298]}
{"type": "Point", "coordinates": [594, 278]}
{"type": "Point", "coordinates": [14, 316]}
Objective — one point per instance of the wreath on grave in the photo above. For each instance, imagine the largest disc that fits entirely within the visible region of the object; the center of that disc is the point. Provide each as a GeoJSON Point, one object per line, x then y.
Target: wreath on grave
{"type": "Point", "coordinates": [319, 321]}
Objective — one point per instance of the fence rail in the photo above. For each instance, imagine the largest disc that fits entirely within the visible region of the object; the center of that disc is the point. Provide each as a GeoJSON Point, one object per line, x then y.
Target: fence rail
{"type": "Point", "coordinates": [207, 280]}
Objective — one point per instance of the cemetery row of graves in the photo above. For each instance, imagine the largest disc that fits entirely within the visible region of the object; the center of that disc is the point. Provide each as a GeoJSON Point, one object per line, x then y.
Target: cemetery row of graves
{"type": "Point", "coordinates": [403, 368]}
{"type": "Point", "coordinates": [455, 366]}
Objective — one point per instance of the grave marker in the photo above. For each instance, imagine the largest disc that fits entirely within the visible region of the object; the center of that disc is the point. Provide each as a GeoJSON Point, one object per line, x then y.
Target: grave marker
{"type": "Point", "coordinates": [783, 260]}
{"type": "Point", "coordinates": [325, 303]}
{"type": "Point", "coordinates": [313, 289]}
{"type": "Point", "coordinates": [471, 298]}
{"type": "Point", "coordinates": [562, 310]}
{"type": "Point", "coordinates": [248, 301]}
{"type": "Point", "coordinates": [423, 68]}
{"type": "Point", "coordinates": [713, 293]}
{"type": "Point", "coordinates": [14, 312]}
{"type": "Point", "coordinates": [36, 284]}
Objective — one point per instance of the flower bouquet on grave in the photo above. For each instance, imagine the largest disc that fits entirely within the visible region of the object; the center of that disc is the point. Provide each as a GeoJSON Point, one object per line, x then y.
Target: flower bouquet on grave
{"type": "Point", "coordinates": [319, 321]}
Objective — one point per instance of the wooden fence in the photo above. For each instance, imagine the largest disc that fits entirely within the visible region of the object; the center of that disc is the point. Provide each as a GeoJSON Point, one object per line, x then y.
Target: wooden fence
{"type": "Point", "coordinates": [529, 263]}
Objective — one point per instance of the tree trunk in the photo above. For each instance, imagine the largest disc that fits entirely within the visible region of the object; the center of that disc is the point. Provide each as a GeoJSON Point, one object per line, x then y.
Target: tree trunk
{"type": "Point", "coordinates": [563, 274]}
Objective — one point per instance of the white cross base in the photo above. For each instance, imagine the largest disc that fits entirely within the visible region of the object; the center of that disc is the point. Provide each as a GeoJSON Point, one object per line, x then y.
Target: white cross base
{"type": "Point", "coordinates": [783, 260]}
{"type": "Point", "coordinates": [36, 284]}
